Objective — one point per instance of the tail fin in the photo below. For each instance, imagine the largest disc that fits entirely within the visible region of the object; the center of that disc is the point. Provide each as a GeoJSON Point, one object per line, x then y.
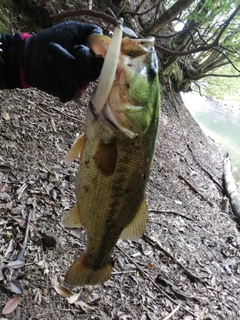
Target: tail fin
{"type": "Point", "coordinates": [81, 273]}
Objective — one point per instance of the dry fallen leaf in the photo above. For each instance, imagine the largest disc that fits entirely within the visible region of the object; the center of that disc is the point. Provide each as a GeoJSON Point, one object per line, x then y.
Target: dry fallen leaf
{"type": "Point", "coordinates": [5, 115]}
{"type": "Point", "coordinates": [123, 316]}
{"type": "Point", "coordinates": [21, 223]}
{"type": "Point", "coordinates": [32, 215]}
{"type": "Point", "coordinates": [16, 286]}
{"type": "Point", "coordinates": [86, 308]}
{"type": "Point", "coordinates": [1, 275]}
{"type": "Point", "coordinates": [54, 194]}
{"type": "Point", "coordinates": [54, 281]}
{"type": "Point", "coordinates": [9, 205]}
{"type": "Point", "coordinates": [15, 264]}
{"type": "Point", "coordinates": [73, 298]}
{"type": "Point", "coordinates": [102, 316]}
{"type": "Point", "coordinates": [3, 222]}
{"type": "Point", "coordinates": [5, 195]}
{"type": "Point", "coordinates": [62, 291]}
{"type": "Point", "coordinates": [3, 186]}
{"type": "Point", "coordinates": [38, 296]}
{"type": "Point", "coordinates": [12, 176]}
{"type": "Point", "coordinates": [11, 305]}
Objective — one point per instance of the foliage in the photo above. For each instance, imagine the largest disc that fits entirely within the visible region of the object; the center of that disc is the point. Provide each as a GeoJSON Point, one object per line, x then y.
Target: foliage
{"type": "Point", "coordinates": [4, 22]}
{"type": "Point", "coordinates": [223, 88]}
{"type": "Point", "coordinates": [208, 38]}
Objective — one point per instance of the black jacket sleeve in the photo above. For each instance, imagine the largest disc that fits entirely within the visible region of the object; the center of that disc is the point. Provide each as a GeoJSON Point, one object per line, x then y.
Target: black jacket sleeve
{"type": "Point", "coordinates": [11, 61]}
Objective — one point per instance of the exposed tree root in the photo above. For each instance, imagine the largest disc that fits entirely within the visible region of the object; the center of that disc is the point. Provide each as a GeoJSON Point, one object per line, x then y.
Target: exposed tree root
{"type": "Point", "coordinates": [231, 189]}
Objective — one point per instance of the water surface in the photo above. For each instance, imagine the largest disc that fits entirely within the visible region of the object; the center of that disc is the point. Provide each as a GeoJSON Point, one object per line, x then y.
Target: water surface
{"type": "Point", "coordinates": [221, 123]}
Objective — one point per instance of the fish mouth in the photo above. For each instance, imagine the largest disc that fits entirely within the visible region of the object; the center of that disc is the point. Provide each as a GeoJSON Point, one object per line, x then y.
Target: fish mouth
{"type": "Point", "coordinates": [113, 121]}
{"type": "Point", "coordinates": [134, 53]}
{"type": "Point", "coordinates": [109, 121]}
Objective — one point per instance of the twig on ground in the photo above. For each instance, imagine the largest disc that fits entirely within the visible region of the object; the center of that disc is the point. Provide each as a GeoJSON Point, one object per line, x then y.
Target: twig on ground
{"type": "Point", "coordinates": [75, 236]}
{"type": "Point", "coordinates": [171, 211]}
{"type": "Point", "coordinates": [9, 250]}
{"type": "Point", "coordinates": [24, 244]}
{"type": "Point", "coordinates": [172, 313]}
{"type": "Point", "coordinates": [123, 272]}
{"type": "Point", "coordinates": [177, 292]}
{"type": "Point", "coordinates": [44, 111]}
{"type": "Point", "coordinates": [203, 168]}
{"type": "Point", "coordinates": [156, 242]}
{"type": "Point", "coordinates": [67, 115]}
{"type": "Point", "coordinates": [151, 280]}
{"type": "Point", "coordinates": [195, 190]}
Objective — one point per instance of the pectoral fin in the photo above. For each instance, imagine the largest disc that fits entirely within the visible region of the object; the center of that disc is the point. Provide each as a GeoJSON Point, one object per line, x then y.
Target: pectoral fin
{"type": "Point", "coordinates": [72, 218]}
{"type": "Point", "coordinates": [136, 227]}
{"type": "Point", "coordinates": [76, 148]}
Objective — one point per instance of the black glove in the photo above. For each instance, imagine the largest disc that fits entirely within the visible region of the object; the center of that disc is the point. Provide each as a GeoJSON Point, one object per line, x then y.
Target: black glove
{"type": "Point", "coordinates": [55, 60]}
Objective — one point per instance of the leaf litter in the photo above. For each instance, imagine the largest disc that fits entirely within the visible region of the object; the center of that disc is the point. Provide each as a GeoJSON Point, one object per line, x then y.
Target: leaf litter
{"type": "Point", "coordinates": [206, 244]}
{"type": "Point", "coordinates": [11, 305]}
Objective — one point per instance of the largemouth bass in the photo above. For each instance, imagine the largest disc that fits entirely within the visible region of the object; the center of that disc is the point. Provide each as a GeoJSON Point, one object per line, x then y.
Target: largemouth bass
{"type": "Point", "coordinates": [116, 156]}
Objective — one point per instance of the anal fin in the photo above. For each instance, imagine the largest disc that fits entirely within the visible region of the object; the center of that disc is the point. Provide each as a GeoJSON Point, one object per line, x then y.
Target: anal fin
{"type": "Point", "coordinates": [76, 148]}
{"type": "Point", "coordinates": [72, 218]}
{"type": "Point", "coordinates": [136, 227]}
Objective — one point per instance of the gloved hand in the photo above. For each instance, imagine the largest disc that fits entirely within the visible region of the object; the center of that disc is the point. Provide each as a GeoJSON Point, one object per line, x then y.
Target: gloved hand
{"type": "Point", "coordinates": [56, 60]}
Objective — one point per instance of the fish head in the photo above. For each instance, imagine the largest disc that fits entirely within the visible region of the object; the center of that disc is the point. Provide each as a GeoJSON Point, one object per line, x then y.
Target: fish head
{"type": "Point", "coordinates": [133, 101]}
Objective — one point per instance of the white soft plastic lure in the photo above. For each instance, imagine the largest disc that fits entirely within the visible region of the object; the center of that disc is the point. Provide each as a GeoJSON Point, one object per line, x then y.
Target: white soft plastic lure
{"type": "Point", "coordinates": [109, 69]}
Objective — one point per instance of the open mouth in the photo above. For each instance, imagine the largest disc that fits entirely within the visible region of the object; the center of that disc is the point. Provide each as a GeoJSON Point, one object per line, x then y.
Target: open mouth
{"type": "Point", "coordinates": [108, 115]}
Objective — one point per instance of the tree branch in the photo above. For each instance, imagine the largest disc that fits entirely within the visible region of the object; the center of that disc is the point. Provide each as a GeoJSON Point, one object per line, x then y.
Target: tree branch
{"type": "Point", "coordinates": [226, 57]}
{"type": "Point", "coordinates": [167, 16]}
{"type": "Point", "coordinates": [82, 12]}
{"type": "Point", "coordinates": [139, 13]}
{"type": "Point", "coordinates": [201, 48]}
{"type": "Point", "coordinates": [174, 10]}
{"type": "Point", "coordinates": [214, 75]}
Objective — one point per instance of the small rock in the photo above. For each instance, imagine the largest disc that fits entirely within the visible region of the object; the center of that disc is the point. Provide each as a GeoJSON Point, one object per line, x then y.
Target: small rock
{"type": "Point", "coordinates": [49, 239]}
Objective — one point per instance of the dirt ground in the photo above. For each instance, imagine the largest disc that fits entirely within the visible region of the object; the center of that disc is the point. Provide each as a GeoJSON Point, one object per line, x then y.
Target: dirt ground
{"type": "Point", "coordinates": [187, 264]}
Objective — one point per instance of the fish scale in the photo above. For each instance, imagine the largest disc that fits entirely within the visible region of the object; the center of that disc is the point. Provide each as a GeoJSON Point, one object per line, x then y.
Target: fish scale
{"type": "Point", "coordinates": [107, 194]}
